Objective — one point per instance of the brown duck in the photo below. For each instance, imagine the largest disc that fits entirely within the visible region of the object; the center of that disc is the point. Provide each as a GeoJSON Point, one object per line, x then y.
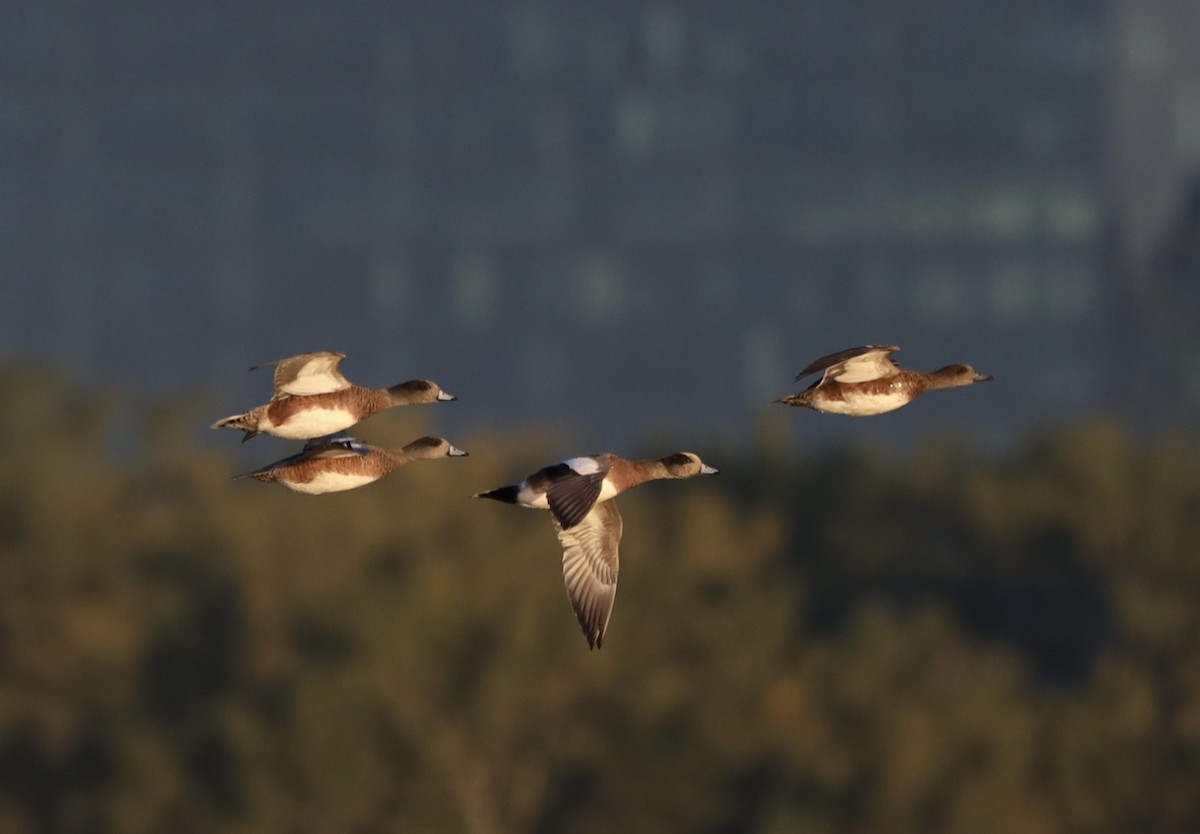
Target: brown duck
{"type": "Point", "coordinates": [335, 464]}
{"type": "Point", "coordinates": [579, 494]}
{"type": "Point", "coordinates": [312, 399]}
{"type": "Point", "coordinates": [864, 380]}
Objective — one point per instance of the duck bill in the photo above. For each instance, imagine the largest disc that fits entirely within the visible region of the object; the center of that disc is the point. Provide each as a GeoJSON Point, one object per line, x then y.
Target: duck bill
{"type": "Point", "coordinates": [708, 470]}
{"type": "Point", "coordinates": [456, 452]}
{"type": "Point", "coordinates": [445, 397]}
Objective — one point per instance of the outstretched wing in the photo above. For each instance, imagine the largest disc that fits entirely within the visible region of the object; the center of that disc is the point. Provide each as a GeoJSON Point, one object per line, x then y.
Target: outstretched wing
{"type": "Point", "coordinates": [590, 567]}
{"type": "Point", "coordinates": [860, 364]}
{"type": "Point", "coordinates": [308, 373]}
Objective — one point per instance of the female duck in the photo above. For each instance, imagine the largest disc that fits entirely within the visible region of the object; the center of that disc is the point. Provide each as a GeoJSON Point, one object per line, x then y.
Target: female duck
{"type": "Point", "coordinates": [313, 399]}
{"type": "Point", "coordinates": [335, 464]}
{"type": "Point", "coordinates": [579, 494]}
{"type": "Point", "coordinates": [864, 380]}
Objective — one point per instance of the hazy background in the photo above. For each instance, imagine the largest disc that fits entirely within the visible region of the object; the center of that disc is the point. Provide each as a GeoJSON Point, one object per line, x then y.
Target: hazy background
{"type": "Point", "coordinates": [538, 202]}
{"type": "Point", "coordinates": [619, 225]}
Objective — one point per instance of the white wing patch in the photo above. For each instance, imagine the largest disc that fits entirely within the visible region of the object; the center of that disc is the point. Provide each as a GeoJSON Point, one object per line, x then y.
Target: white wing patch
{"type": "Point", "coordinates": [583, 466]}
{"type": "Point", "coordinates": [315, 373]}
{"type": "Point", "coordinates": [870, 366]}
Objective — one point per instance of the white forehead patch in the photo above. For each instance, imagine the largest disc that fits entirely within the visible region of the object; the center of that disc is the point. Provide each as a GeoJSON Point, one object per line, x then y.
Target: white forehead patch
{"type": "Point", "coordinates": [583, 466]}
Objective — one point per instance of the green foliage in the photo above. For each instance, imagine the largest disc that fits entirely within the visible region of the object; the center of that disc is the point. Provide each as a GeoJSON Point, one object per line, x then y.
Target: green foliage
{"type": "Point", "coordinates": [946, 644]}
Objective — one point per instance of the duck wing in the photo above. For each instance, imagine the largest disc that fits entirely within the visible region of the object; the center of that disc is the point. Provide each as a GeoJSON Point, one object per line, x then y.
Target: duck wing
{"type": "Point", "coordinates": [860, 364]}
{"type": "Point", "coordinates": [590, 567]}
{"type": "Point", "coordinates": [334, 446]}
{"type": "Point", "coordinates": [307, 373]}
{"type": "Point", "coordinates": [574, 485]}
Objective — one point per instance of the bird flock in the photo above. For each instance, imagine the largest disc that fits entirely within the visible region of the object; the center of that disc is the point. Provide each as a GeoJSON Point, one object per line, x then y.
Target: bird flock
{"type": "Point", "coordinates": [312, 401]}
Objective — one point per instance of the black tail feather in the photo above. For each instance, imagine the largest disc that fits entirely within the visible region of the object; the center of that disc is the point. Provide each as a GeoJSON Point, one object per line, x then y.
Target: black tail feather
{"type": "Point", "coordinates": [506, 494]}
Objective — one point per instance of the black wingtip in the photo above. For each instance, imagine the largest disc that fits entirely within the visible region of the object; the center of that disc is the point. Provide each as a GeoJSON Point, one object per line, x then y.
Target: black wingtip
{"type": "Point", "coordinates": [593, 633]}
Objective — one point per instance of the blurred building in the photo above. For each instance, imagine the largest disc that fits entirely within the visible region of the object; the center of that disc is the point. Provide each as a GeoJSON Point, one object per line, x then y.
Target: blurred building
{"type": "Point", "coordinates": [718, 192]}
{"type": "Point", "coordinates": [1154, 181]}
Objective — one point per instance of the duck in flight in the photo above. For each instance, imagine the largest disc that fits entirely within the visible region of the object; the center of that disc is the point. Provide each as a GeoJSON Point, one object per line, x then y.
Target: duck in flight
{"type": "Point", "coordinates": [338, 463]}
{"type": "Point", "coordinates": [312, 399]}
{"type": "Point", "coordinates": [864, 380]}
{"type": "Point", "coordinates": [579, 494]}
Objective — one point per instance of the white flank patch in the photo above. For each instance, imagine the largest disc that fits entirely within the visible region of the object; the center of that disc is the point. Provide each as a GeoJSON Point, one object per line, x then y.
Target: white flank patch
{"type": "Point", "coordinates": [583, 466]}
{"type": "Point", "coordinates": [315, 422]}
{"type": "Point", "coordinates": [862, 405]}
{"type": "Point", "coordinates": [528, 498]}
{"type": "Point", "coordinates": [330, 482]}
{"type": "Point", "coordinates": [607, 491]}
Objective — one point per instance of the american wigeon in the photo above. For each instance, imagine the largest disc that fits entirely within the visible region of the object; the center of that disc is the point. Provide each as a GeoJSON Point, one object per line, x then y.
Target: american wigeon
{"type": "Point", "coordinates": [864, 380]}
{"type": "Point", "coordinates": [313, 399]}
{"type": "Point", "coordinates": [579, 492]}
{"type": "Point", "coordinates": [337, 463]}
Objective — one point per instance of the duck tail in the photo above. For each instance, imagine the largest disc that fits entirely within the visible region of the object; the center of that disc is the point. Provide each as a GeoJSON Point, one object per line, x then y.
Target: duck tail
{"type": "Point", "coordinates": [247, 422]}
{"type": "Point", "coordinates": [505, 494]}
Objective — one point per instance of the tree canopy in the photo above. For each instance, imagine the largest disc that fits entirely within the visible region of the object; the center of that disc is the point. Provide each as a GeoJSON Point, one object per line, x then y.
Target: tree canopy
{"type": "Point", "coordinates": [947, 642]}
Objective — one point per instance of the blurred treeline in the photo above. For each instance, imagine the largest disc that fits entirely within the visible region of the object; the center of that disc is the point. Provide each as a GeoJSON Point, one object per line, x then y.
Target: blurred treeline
{"type": "Point", "coordinates": [846, 643]}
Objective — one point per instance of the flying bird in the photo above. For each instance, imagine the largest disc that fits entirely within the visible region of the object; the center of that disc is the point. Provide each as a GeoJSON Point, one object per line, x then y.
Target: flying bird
{"type": "Point", "coordinates": [312, 399]}
{"type": "Point", "coordinates": [579, 494]}
{"type": "Point", "coordinates": [338, 463]}
{"type": "Point", "coordinates": [864, 380]}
